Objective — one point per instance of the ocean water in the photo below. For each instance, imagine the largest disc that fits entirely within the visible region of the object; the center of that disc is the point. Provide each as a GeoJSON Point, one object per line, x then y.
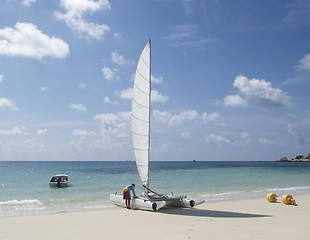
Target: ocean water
{"type": "Point", "coordinates": [24, 186]}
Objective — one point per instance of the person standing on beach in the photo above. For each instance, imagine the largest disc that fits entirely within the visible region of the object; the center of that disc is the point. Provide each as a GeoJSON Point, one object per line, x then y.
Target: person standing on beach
{"type": "Point", "coordinates": [126, 194]}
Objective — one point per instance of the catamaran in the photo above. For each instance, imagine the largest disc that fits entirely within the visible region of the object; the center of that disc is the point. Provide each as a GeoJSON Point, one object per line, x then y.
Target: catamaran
{"type": "Point", "coordinates": [140, 112]}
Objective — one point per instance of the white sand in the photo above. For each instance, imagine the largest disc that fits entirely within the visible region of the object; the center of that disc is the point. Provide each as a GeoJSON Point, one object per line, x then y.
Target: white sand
{"type": "Point", "coordinates": [245, 219]}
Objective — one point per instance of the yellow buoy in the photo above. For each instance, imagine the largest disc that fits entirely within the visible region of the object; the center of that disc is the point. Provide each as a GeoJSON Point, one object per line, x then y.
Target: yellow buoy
{"type": "Point", "coordinates": [288, 199]}
{"type": "Point", "coordinates": [272, 197]}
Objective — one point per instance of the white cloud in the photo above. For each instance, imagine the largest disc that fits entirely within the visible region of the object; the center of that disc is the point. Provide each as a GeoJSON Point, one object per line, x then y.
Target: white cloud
{"type": "Point", "coordinates": [304, 63]}
{"type": "Point", "coordinates": [82, 133]}
{"type": "Point", "coordinates": [74, 17]}
{"type": "Point", "coordinates": [156, 79]}
{"type": "Point", "coordinates": [108, 100]}
{"type": "Point", "coordinates": [28, 2]}
{"type": "Point", "coordinates": [14, 131]}
{"type": "Point", "coordinates": [185, 135]}
{"type": "Point", "coordinates": [1, 78]}
{"type": "Point", "coordinates": [266, 141]}
{"type": "Point", "coordinates": [116, 35]}
{"type": "Point", "coordinates": [82, 85]}
{"type": "Point", "coordinates": [28, 41]}
{"type": "Point", "coordinates": [41, 132]}
{"type": "Point", "coordinates": [290, 129]}
{"type": "Point", "coordinates": [7, 103]}
{"type": "Point", "coordinates": [187, 35]}
{"type": "Point", "coordinates": [126, 116]}
{"type": "Point", "coordinates": [210, 117]}
{"type": "Point", "coordinates": [177, 119]}
{"type": "Point", "coordinates": [114, 125]}
{"type": "Point", "coordinates": [44, 89]}
{"type": "Point", "coordinates": [110, 73]}
{"type": "Point", "coordinates": [184, 116]}
{"type": "Point", "coordinates": [126, 94]}
{"type": "Point", "coordinates": [183, 31]}
{"type": "Point", "coordinates": [26, 149]}
{"type": "Point", "coordinates": [301, 139]}
{"type": "Point", "coordinates": [157, 97]}
{"type": "Point", "coordinates": [234, 101]}
{"type": "Point", "coordinates": [257, 92]}
{"type": "Point", "coordinates": [109, 118]}
{"type": "Point", "coordinates": [79, 107]}
{"type": "Point", "coordinates": [244, 135]}
{"type": "Point", "coordinates": [261, 92]}
{"type": "Point", "coordinates": [120, 60]}
{"type": "Point", "coordinates": [213, 138]}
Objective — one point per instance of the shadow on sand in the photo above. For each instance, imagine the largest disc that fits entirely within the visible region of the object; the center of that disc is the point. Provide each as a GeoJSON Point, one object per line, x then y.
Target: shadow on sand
{"type": "Point", "coordinates": [209, 213]}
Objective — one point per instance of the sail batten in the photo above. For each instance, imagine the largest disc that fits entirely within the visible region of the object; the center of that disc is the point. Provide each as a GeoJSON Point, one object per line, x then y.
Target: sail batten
{"type": "Point", "coordinates": [141, 105]}
{"type": "Point", "coordinates": [140, 112]}
{"type": "Point", "coordinates": [139, 134]}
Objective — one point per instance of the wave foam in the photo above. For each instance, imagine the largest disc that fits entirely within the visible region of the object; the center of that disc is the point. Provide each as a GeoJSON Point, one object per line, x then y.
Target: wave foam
{"type": "Point", "coordinates": [289, 189]}
{"type": "Point", "coordinates": [25, 202]}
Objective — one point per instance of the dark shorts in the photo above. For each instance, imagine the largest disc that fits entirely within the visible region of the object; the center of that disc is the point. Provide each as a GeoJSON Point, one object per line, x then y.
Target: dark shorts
{"type": "Point", "coordinates": [126, 195]}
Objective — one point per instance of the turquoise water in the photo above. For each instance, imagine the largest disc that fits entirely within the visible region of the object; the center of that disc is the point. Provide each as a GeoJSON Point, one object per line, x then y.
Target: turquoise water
{"type": "Point", "coordinates": [24, 187]}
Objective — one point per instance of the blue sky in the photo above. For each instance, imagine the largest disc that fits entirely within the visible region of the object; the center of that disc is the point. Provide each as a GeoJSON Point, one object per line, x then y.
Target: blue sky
{"type": "Point", "coordinates": [231, 79]}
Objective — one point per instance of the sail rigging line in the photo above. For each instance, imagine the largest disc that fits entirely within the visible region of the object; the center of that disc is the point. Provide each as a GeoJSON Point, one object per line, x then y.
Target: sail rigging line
{"type": "Point", "coordinates": [159, 195]}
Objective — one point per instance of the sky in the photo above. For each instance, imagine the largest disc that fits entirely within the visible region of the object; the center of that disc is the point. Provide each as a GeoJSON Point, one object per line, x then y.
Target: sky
{"type": "Point", "coordinates": [230, 79]}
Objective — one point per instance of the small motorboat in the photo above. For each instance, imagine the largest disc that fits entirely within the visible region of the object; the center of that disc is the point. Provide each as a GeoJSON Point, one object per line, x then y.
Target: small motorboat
{"type": "Point", "coordinates": [59, 180]}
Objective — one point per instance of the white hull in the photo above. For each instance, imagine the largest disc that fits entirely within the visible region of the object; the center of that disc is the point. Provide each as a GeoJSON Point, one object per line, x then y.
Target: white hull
{"type": "Point", "coordinates": [147, 204]}
{"type": "Point", "coordinates": [182, 203]}
{"type": "Point", "coordinates": [135, 203]}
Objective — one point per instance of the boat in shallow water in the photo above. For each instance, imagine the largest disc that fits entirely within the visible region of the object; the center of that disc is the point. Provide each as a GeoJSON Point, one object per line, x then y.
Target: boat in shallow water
{"type": "Point", "coordinates": [140, 112]}
{"type": "Point", "coordinates": [59, 180]}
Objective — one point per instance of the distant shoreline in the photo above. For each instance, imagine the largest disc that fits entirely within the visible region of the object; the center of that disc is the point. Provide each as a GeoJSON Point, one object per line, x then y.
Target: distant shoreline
{"type": "Point", "coordinates": [294, 160]}
{"type": "Point", "coordinates": [299, 158]}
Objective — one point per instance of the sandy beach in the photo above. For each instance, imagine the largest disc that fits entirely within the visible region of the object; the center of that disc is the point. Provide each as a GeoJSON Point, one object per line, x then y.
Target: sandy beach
{"type": "Point", "coordinates": [243, 219]}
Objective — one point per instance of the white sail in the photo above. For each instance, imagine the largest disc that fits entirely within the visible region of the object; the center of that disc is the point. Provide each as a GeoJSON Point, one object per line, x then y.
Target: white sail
{"type": "Point", "coordinates": [141, 113]}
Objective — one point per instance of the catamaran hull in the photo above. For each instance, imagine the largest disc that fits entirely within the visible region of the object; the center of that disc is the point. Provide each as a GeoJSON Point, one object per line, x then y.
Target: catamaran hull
{"type": "Point", "coordinates": [135, 203]}
{"type": "Point", "coordinates": [182, 203]}
{"type": "Point", "coordinates": [146, 204]}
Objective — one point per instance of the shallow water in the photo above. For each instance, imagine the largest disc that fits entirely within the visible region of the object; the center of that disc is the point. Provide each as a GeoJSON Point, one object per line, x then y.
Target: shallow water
{"type": "Point", "coordinates": [24, 187]}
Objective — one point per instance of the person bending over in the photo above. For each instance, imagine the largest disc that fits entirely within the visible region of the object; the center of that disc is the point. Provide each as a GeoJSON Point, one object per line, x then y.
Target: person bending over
{"type": "Point", "coordinates": [126, 194]}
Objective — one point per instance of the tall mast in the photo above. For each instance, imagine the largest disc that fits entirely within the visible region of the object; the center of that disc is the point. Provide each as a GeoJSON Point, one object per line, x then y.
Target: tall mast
{"type": "Point", "coordinates": [150, 98]}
